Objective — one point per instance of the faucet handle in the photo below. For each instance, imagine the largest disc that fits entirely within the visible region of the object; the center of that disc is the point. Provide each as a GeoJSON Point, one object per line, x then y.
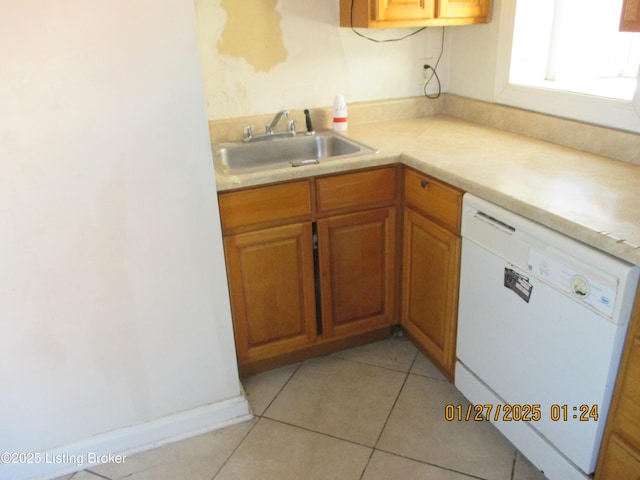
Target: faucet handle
{"type": "Point", "coordinates": [307, 118]}
{"type": "Point", "coordinates": [248, 132]}
{"type": "Point", "coordinates": [291, 126]}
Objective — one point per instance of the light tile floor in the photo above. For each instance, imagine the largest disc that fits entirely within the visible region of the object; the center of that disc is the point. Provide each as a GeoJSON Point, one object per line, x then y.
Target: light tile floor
{"type": "Point", "coordinates": [374, 412]}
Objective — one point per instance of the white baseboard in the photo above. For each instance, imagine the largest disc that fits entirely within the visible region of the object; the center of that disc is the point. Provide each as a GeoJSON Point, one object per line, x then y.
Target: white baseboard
{"type": "Point", "coordinates": [128, 441]}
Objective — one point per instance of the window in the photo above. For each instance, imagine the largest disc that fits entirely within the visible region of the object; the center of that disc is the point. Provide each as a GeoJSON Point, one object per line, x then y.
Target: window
{"type": "Point", "coordinates": [576, 47]}
{"type": "Point", "coordinates": [567, 57]}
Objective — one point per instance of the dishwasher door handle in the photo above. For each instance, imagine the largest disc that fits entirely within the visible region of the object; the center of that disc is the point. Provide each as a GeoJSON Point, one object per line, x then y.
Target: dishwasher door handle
{"type": "Point", "coordinates": [494, 222]}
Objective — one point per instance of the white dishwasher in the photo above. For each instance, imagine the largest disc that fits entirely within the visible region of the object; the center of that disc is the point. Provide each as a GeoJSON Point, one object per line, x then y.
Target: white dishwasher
{"type": "Point", "coordinates": [541, 324]}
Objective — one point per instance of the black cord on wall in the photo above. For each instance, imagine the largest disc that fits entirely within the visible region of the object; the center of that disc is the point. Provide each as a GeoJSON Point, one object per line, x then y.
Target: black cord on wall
{"type": "Point", "coordinates": [435, 73]}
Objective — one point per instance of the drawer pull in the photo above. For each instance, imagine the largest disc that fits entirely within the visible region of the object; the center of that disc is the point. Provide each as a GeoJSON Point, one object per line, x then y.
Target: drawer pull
{"type": "Point", "coordinates": [424, 183]}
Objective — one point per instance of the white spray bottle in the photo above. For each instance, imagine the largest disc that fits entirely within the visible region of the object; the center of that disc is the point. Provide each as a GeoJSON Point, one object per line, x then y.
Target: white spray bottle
{"type": "Point", "coordinates": [339, 114]}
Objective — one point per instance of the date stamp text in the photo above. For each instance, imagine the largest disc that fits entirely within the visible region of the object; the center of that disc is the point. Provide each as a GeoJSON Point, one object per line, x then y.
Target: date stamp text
{"type": "Point", "coordinates": [519, 412]}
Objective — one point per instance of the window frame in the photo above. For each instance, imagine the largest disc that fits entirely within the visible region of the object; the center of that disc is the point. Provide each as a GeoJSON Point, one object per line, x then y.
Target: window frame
{"type": "Point", "coordinates": [607, 112]}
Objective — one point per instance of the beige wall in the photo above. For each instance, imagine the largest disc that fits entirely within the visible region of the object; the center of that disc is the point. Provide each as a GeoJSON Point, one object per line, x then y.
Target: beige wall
{"type": "Point", "coordinates": [474, 57]}
{"type": "Point", "coordinates": [114, 308]}
{"type": "Point", "coordinates": [261, 56]}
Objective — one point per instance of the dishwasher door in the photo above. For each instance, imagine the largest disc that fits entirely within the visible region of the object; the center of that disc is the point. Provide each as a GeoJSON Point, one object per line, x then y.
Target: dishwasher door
{"type": "Point", "coordinates": [541, 324]}
{"type": "Point", "coordinates": [551, 351]}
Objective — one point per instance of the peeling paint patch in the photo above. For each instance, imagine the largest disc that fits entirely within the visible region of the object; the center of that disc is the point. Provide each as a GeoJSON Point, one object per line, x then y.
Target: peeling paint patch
{"type": "Point", "coordinates": [253, 32]}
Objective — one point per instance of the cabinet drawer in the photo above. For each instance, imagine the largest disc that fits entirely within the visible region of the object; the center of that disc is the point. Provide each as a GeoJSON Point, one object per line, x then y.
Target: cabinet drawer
{"type": "Point", "coordinates": [265, 204]}
{"type": "Point", "coordinates": [438, 200]}
{"type": "Point", "coordinates": [372, 187]}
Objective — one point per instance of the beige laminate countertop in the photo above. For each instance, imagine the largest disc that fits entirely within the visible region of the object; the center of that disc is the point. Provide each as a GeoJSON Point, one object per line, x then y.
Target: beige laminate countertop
{"type": "Point", "coordinates": [591, 198]}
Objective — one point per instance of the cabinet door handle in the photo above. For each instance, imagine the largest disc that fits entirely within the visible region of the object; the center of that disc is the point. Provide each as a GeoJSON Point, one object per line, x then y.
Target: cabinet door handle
{"type": "Point", "coordinates": [424, 183]}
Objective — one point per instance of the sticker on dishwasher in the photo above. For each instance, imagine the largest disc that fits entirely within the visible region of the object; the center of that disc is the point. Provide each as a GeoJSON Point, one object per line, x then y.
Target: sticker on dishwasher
{"type": "Point", "coordinates": [518, 283]}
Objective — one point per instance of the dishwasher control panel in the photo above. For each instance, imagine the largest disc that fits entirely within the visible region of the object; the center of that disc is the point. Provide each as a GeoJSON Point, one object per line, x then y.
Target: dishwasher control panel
{"type": "Point", "coordinates": [595, 279]}
{"type": "Point", "coordinates": [593, 289]}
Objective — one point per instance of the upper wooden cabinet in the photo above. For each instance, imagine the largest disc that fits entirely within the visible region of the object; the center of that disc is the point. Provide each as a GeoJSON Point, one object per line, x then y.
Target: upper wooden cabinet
{"type": "Point", "coordinates": [630, 17]}
{"type": "Point", "coordinates": [412, 13]}
{"type": "Point", "coordinates": [398, 10]}
{"type": "Point", "coordinates": [465, 9]}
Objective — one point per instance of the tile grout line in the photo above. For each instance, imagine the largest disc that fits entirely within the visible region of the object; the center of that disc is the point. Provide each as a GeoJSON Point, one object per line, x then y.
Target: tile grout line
{"type": "Point", "coordinates": [373, 448]}
{"type": "Point", "coordinates": [259, 417]}
{"type": "Point", "coordinates": [324, 434]}
{"type": "Point", "coordinates": [235, 449]}
{"type": "Point", "coordinates": [413, 362]}
{"type": "Point", "coordinates": [281, 389]}
{"type": "Point", "coordinates": [360, 362]}
{"type": "Point", "coordinates": [384, 425]}
{"type": "Point", "coordinates": [395, 402]}
{"type": "Point", "coordinates": [366, 465]}
{"type": "Point", "coordinates": [370, 364]}
{"type": "Point", "coordinates": [513, 464]}
{"type": "Point", "coordinates": [470, 475]}
{"type": "Point", "coordinates": [92, 473]}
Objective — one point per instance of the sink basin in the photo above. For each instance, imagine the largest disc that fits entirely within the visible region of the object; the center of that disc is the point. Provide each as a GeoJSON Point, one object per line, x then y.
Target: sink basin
{"type": "Point", "coordinates": [238, 158]}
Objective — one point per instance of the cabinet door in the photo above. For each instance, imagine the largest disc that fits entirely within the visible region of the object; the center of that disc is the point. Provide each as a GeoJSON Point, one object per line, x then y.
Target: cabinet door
{"type": "Point", "coordinates": [628, 406]}
{"type": "Point", "coordinates": [621, 461]}
{"type": "Point", "coordinates": [404, 9]}
{"type": "Point", "coordinates": [357, 273]}
{"type": "Point", "coordinates": [620, 451]}
{"type": "Point", "coordinates": [463, 8]}
{"type": "Point", "coordinates": [271, 282]}
{"type": "Point", "coordinates": [630, 17]}
{"type": "Point", "coordinates": [431, 269]}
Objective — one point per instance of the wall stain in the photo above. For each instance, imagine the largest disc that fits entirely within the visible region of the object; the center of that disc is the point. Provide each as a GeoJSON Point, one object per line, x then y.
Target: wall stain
{"type": "Point", "coordinates": [253, 32]}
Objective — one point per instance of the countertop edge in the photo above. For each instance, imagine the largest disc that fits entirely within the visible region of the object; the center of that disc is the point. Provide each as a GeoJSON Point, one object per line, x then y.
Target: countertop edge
{"type": "Point", "coordinates": [583, 233]}
{"type": "Point", "coordinates": [604, 241]}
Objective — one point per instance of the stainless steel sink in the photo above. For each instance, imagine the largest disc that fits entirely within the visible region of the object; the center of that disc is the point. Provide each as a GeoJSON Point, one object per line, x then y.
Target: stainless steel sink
{"type": "Point", "coordinates": [238, 158]}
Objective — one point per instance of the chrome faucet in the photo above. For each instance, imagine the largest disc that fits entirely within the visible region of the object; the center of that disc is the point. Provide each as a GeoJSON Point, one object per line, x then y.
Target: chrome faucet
{"type": "Point", "coordinates": [270, 126]}
{"type": "Point", "coordinates": [269, 133]}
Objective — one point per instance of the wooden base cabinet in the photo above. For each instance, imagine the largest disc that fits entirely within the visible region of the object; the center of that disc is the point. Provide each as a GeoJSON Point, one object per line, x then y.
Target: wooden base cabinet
{"type": "Point", "coordinates": [272, 290]}
{"type": "Point", "coordinates": [431, 267]}
{"type": "Point", "coordinates": [621, 461]}
{"type": "Point", "coordinates": [430, 282]}
{"type": "Point", "coordinates": [619, 457]}
{"type": "Point", "coordinates": [277, 281]}
{"type": "Point", "coordinates": [357, 270]}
